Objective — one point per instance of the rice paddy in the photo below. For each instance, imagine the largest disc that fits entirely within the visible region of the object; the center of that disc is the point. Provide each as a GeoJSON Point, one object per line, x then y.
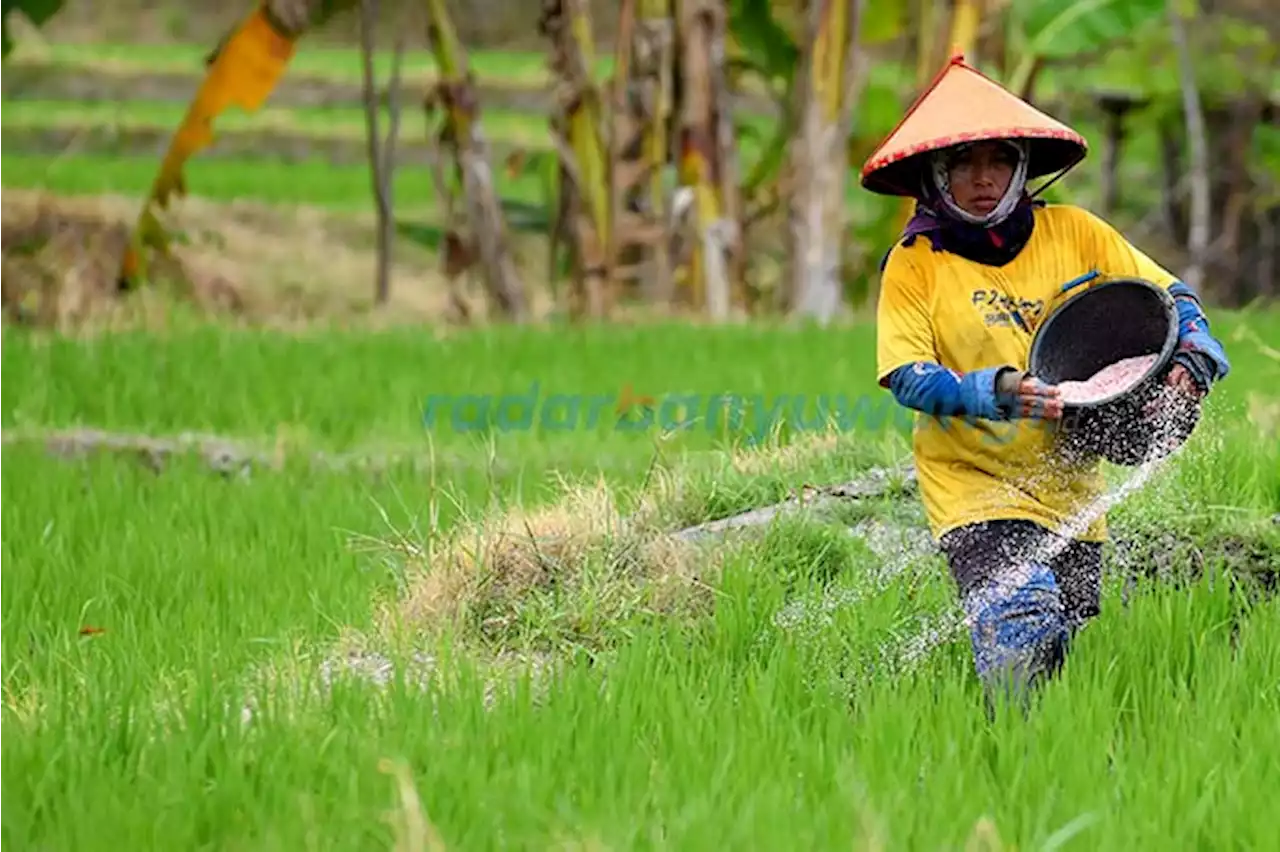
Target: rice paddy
{"type": "Point", "coordinates": [260, 594]}
{"type": "Point", "coordinates": [296, 655]}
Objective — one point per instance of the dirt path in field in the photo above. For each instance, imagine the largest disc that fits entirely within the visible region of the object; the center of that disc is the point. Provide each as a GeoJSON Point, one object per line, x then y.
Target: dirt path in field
{"type": "Point", "coordinates": [335, 147]}
{"type": "Point", "coordinates": [229, 456]}
{"type": "Point", "coordinates": [29, 80]}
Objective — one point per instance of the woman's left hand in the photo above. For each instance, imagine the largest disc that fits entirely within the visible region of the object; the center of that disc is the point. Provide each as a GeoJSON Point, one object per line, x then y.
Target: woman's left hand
{"type": "Point", "coordinates": [1181, 380]}
{"type": "Point", "coordinates": [1179, 393]}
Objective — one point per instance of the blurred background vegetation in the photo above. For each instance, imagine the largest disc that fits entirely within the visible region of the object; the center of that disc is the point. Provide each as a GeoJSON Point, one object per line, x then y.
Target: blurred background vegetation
{"type": "Point", "coordinates": [325, 201]}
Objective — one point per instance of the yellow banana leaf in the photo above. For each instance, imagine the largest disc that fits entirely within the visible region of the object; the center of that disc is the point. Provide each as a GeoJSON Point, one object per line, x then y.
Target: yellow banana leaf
{"type": "Point", "coordinates": [246, 70]}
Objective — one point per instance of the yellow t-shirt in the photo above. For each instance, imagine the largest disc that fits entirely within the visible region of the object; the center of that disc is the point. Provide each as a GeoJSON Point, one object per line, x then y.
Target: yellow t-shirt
{"type": "Point", "coordinates": [940, 307]}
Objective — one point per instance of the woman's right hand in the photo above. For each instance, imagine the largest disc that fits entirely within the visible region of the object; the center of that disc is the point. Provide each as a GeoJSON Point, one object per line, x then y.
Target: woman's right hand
{"type": "Point", "coordinates": [1027, 397]}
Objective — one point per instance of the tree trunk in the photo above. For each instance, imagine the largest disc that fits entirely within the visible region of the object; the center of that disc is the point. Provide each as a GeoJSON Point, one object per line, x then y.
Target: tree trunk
{"type": "Point", "coordinates": [728, 236]}
{"type": "Point", "coordinates": [831, 76]}
{"type": "Point", "coordinates": [1236, 251]}
{"type": "Point", "coordinates": [382, 152]}
{"type": "Point", "coordinates": [638, 148]}
{"type": "Point", "coordinates": [657, 32]}
{"type": "Point", "coordinates": [961, 22]}
{"type": "Point", "coordinates": [1268, 225]}
{"type": "Point", "coordinates": [463, 134]}
{"type": "Point", "coordinates": [1116, 109]}
{"type": "Point", "coordinates": [577, 130]}
{"type": "Point", "coordinates": [1171, 183]}
{"type": "Point", "coordinates": [702, 170]}
{"type": "Point", "coordinates": [1198, 237]}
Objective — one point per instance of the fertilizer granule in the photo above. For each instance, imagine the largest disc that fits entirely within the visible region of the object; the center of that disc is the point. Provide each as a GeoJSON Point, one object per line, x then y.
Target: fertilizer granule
{"type": "Point", "coordinates": [1110, 380]}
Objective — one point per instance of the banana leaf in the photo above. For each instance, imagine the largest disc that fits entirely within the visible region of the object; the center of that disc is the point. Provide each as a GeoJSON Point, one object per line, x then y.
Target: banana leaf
{"type": "Point", "coordinates": [1053, 31]}
{"type": "Point", "coordinates": [758, 42]}
{"type": "Point", "coordinates": [1231, 57]}
{"type": "Point", "coordinates": [38, 12]}
{"type": "Point", "coordinates": [883, 21]}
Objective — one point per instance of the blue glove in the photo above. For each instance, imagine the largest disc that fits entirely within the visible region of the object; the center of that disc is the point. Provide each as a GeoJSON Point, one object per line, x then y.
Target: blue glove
{"type": "Point", "coordinates": [941, 392]}
{"type": "Point", "coordinates": [1198, 351]}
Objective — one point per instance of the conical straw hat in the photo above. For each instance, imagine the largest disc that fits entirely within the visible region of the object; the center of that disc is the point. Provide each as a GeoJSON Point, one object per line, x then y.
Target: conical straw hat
{"type": "Point", "coordinates": [964, 105]}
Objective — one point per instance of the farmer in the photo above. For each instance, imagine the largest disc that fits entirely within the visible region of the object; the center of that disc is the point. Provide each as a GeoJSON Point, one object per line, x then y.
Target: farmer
{"type": "Point", "coordinates": [955, 319]}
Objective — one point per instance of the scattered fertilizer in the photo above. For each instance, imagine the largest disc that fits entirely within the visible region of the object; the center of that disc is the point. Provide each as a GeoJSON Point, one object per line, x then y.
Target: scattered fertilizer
{"type": "Point", "coordinates": [952, 625]}
{"type": "Point", "coordinates": [902, 654]}
{"type": "Point", "coordinates": [1165, 425]}
{"type": "Point", "coordinates": [898, 550]}
{"type": "Point", "coordinates": [1107, 382]}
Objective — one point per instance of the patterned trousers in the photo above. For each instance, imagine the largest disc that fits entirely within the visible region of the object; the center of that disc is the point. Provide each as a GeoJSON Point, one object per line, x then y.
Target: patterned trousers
{"type": "Point", "coordinates": [1026, 591]}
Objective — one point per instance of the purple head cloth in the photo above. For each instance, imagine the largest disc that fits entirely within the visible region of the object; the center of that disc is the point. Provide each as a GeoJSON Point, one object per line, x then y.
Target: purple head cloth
{"type": "Point", "coordinates": [996, 245]}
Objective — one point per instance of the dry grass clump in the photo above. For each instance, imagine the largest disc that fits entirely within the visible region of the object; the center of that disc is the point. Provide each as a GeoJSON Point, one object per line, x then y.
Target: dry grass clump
{"type": "Point", "coordinates": [61, 263]}
{"type": "Point", "coordinates": [574, 569]}
{"type": "Point", "coordinates": [799, 454]}
{"type": "Point", "coordinates": [527, 573]}
{"type": "Point", "coordinates": [241, 260]}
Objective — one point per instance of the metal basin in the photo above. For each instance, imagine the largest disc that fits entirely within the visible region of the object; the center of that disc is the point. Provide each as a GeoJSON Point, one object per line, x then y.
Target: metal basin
{"type": "Point", "coordinates": [1108, 322]}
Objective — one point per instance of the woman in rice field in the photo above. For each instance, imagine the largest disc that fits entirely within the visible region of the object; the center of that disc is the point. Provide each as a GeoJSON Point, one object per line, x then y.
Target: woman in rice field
{"type": "Point", "coordinates": [955, 320]}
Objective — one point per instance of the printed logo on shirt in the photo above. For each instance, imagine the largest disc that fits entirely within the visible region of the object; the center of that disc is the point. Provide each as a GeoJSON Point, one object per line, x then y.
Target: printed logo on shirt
{"type": "Point", "coordinates": [998, 309]}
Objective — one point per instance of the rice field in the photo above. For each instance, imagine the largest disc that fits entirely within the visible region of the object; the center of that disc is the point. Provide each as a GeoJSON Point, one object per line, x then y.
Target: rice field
{"type": "Point", "coordinates": [319, 184]}
{"type": "Point", "coordinates": [44, 152]}
{"type": "Point", "coordinates": [313, 61]}
{"type": "Point", "coordinates": [419, 589]}
{"type": "Point", "coordinates": [462, 646]}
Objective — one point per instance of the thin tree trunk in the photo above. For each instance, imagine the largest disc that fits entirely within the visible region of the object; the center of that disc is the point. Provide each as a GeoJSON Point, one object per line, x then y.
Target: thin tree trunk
{"type": "Point", "coordinates": [1115, 112]}
{"type": "Point", "coordinates": [484, 210]}
{"type": "Point", "coordinates": [961, 24]}
{"type": "Point", "coordinates": [1237, 239]}
{"type": "Point", "coordinates": [622, 129]}
{"type": "Point", "coordinates": [638, 150]}
{"type": "Point", "coordinates": [382, 152]}
{"type": "Point", "coordinates": [1199, 232]}
{"type": "Point", "coordinates": [1268, 223]}
{"type": "Point", "coordinates": [373, 142]}
{"type": "Point", "coordinates": [658, 26]}
{"type": "Point", "coordinates": [728, 232]}
{"type": "Point", "coordinates": [1171, 183]}
{"type": "Point", "coordinates": [700, 169]}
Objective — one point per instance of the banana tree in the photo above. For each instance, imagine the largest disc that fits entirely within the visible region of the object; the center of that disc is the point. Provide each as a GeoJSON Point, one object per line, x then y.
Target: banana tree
{"type": "Point", "coordinates": [1024, 38]}
{"type": "Point", "coordinates": [765, 42]}
{"type": "Point", "coordinates": [245, 68]}
{"type": "Point", "coordinates": [642, 106]}
{"type": "Point", "coordinates": [707, 157]}
{"type": "Point", "coordinates": [461, 132]}
{"type": "Point", "coordinates": [577, 125]}
{"type": "Point", "coordinates": [832, 76]}
{"type": "Point", "coordinates": [937, 34]}
{"type": "Point", "coordinates": [38, 12]}
{"type": "Point", "coordinates": [763, 45]}
{"type": "Point", "coordinates": [1042, 33]}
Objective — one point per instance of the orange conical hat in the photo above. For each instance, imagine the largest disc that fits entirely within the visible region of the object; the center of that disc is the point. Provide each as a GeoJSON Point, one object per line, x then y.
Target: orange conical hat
{"type": "Point", "coordinates": [964, 105]}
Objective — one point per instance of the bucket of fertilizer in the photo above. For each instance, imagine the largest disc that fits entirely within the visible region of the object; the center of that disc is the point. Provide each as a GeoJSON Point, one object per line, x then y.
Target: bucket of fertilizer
{"type": "Point", "coordinates": [1109, 349]}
